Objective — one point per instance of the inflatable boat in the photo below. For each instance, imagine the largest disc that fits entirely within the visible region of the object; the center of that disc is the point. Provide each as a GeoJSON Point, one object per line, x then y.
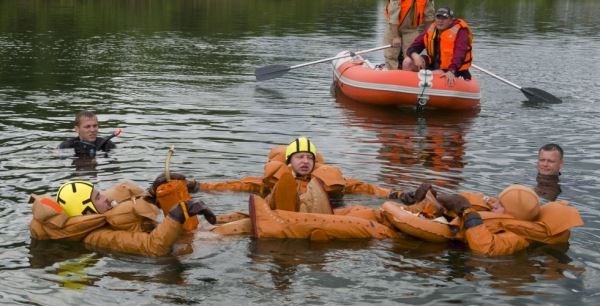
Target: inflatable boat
{"type": "Point", "coordinates": [362, 81]}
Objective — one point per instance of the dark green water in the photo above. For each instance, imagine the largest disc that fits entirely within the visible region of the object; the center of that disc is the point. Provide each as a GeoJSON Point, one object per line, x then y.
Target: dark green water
{"type": "Point", "coordinates": [181, 72]}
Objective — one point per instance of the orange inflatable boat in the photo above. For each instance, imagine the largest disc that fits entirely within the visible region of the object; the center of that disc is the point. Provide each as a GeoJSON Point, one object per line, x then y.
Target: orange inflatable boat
{"type": "Point", "coordinates": [360, 80]}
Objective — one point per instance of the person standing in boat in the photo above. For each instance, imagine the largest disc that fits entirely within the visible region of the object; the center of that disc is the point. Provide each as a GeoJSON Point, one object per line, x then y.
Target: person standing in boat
{"type": "Point", "coordinates": [448, 42]}
{"type": "Point", "coordinates": [549, 164]}
{"type": "Point", "coordinates": [405, 19]}
{"type": "Point", "coordinates": [87, 142]}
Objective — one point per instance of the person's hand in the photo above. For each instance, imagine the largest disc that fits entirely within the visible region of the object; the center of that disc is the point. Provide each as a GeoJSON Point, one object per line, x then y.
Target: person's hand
{"type": "Point", "coordinates": [414, 196]}
{"type": "Point", "coordinates": [418, 60]}
{"type": "Point", "coordinates": [192, 185]}
{"type": "Point", "coordinates": [194, 207]}
{"type": "Point", "coordinates": [450, 78]}
{"type": "Point", "coordinates": [454, 202]}
{"type": "Point", "coordinates": [422, 190]}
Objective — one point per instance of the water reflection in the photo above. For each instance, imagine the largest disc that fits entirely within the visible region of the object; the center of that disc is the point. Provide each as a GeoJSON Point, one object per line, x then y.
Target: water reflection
{"type": "Point", "coordinates": [68, 259]}
{"type": "Point", "coordinates": [181, 71]}
{"type": "Point", "coordinates": [47, 253]}
{"type": "Point", "coordinates": [166, 270]}
{"type": "Point", "coordinates": [85, 165]}
{"type": "Point", "coordinates": [414, 146]}
{"type": "Point", "coordinates": [516, 275]}
{"type": "Point", "coordinates": [519, 275]}
{"type": "Point", "coordinates": [284, 258]}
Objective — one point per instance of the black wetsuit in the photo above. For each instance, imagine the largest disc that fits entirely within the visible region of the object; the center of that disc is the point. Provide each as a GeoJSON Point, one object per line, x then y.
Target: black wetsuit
{"type": "Point", "coordinates": [83, 148]}
{"type": "Point", "coordinates": [548, 186]}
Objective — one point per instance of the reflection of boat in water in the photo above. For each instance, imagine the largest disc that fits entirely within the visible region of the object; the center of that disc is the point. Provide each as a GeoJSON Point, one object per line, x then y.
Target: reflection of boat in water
{"type": "Point", "coordinates": [361, 81]}
{"type": "Point", "coordinates": [414, 146]}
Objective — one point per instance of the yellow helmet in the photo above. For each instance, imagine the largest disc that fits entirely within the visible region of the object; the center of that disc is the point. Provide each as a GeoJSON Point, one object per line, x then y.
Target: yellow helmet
{"type": "Point", "coordinates": [301, 144]}
{"type": "Point", "coordinates": [75, 198]}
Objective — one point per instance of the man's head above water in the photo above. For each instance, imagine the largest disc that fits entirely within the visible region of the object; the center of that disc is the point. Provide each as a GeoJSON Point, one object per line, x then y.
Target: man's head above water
{"type": "Point", "coordinates": [550, 159]}
{"type": "Point", "coordinates": [301, 154]}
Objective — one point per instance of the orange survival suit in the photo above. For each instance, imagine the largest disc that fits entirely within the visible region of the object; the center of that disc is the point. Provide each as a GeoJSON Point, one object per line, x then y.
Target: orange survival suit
{"type": "Point", "coordinates": [504, 234]}
{"type": "Point", "coordinates": [310, 215]}
{"type": "Point", "coordinates": [492, 233]}
{"type": "Point", "coordinates": [130, 227]}
{"type": "Point", "coordinates": [334, 182]}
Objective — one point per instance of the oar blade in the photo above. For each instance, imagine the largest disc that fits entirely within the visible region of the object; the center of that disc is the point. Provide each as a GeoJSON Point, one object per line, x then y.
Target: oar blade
{"type": "Point", "coordinates": [537, 95]}
{"type": "Point", "coordinates": [270, 72]}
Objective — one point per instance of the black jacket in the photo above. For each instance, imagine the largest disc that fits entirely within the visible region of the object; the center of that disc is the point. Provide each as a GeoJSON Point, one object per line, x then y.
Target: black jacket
{"type": "Point", "coordinates": [83, 148]}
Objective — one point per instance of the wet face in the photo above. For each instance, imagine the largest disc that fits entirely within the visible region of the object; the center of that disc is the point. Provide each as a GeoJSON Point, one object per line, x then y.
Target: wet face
{"type": "Point", "coordinates": [549, 162]}
{"type": "Point", "coordinates": [442, 22]}
{"type": "Point", "coordinates": [101, 202]}
{"type": "Point", "coordinates": [87, 129]}
{"type": "Point", "coordinates": [302, 163]}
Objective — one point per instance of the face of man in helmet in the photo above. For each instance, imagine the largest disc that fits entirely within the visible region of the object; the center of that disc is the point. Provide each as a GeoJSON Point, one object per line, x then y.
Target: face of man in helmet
{"type": "Point", "coordinates": [302, 163]}
{"type": "Point", "coordinates": [549, 162]}
{"type": "Point", "coordinates": [87, 129]}
{"type": "Point", "coordinates": [100, 201]}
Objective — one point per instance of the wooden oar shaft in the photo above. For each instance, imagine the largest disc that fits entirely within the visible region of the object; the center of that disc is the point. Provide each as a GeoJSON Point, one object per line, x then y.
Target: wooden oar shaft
{"type": "Point", "coordinates": [339, 56]}
{"type": "Point", "coordinates": [496, 76]}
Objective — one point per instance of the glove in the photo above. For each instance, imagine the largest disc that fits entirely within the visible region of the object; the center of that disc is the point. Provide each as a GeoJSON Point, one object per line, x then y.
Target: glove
{"type": "Point", "coordinates": [415, 196]}
{"type": "Point", "coordinates": [194, 207]}
{"type": "Point", "coordinates": [454, 202]}
{"type": "Point", "coordinates": [404, 197]}
{"type": "Point", "coordinates": [192, 185]}
{"type": "Point", "coordinates": [472, 219]}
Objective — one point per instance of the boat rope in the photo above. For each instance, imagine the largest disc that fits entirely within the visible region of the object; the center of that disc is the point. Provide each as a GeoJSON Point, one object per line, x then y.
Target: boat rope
{"type": "Point", "coordinates": [168, 161]}
{"type": "Point", "coordinates": [425, 82]}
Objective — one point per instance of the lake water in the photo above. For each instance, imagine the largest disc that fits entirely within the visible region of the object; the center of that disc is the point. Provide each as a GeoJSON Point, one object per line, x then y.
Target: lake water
{"type": "Point", "coordinates": [181, 73]}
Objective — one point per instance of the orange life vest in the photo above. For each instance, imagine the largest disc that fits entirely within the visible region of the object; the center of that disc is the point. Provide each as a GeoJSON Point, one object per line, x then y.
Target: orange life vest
{"type": "Point", "coordinates": [447, 38]}
{"type": "Point", "coordinates": [405, 5]}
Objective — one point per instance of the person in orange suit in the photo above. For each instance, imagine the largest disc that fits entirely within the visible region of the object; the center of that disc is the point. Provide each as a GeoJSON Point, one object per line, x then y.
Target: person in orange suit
{"type": "Point", "coordinates": [301, 161]}
{"type": "Point", "coordinates": [513, 221]}
{"type": "Point", "coordinates": [119, 219]}
{"type": "Point", "coordinates": [298, 185]}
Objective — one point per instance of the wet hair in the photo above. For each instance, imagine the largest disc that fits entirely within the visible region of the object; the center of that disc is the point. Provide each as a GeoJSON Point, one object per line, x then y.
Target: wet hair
{"type": "Point", "coordinates": [552, 147]}
{"type": "Point", "coordinates": [83, 114]}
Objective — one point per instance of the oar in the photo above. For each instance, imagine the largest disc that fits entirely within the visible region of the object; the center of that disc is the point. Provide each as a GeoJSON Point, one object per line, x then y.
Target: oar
{"type": "Point", "coordinates": [275, 71]}
{"type": "Point", "coordinates": [532, 94]}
